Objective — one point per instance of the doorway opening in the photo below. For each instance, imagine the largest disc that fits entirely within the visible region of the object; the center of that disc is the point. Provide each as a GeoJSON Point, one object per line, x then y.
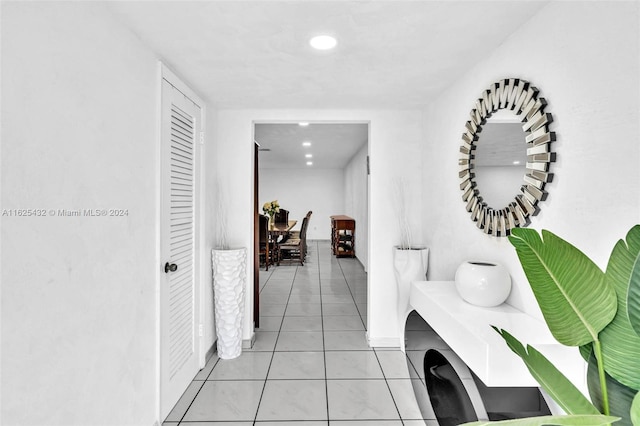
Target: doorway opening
{"type": "Point", "coordinates": [314, 166]}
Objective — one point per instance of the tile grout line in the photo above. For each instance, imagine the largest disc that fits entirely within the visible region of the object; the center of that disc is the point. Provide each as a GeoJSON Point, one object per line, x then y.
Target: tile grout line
{"type": "Point", "coordinates": [374, 349]}
{"type": "Point", "coordinates": [197, 393]}
{"type": "Point", "coordinates": [386, 382]}
{"type": "Point", "coordinates": [273, 353]}
{"type": "Point", "coordinates": [324, 348]}
{"type": "Point", "coordinates": [352, 295]}
{"type": "Point", "coordinates": [415, 370]}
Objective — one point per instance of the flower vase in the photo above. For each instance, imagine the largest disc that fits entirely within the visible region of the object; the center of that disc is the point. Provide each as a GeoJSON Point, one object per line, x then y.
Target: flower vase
{"type": "Point", "coordinates": [229, 281]}
{"type": "Point", "coordinates": [409, 264]}
{"type": "Point", "coordinates": [272, 223]}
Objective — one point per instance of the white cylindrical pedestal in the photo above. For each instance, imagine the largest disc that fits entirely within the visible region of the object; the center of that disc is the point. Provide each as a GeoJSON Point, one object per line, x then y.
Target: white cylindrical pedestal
{"type": "Point", "coordinates": [229, 281]}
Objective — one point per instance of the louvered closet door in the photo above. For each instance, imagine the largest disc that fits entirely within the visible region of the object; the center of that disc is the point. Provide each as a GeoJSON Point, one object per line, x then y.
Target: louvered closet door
{"type": "Point", "coordinates": [179, 363]}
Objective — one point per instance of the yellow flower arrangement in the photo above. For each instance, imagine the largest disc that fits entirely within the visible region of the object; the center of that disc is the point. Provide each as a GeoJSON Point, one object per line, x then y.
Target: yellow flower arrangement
{"type": "Point", "coordinates": [270, 208]}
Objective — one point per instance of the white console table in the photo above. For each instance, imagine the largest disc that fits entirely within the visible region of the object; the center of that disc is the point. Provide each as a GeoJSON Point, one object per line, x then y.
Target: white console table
{"type": "Point", "coordinates": [467, 330]}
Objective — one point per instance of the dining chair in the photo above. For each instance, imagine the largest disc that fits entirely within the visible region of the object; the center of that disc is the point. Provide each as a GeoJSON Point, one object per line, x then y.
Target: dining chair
{"type": "Point", "coordinates": [282, 216]}
{"type": "Point", "coordinates": [296, 248]}
{"type": "Point", "coordinates": [268, 248]}
{"type": "Point", "coordinates": [296, 234]}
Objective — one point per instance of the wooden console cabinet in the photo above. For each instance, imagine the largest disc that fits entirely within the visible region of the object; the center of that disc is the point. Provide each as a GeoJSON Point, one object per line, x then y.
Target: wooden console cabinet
{"type": "Point", "coordinates": [343, 236]}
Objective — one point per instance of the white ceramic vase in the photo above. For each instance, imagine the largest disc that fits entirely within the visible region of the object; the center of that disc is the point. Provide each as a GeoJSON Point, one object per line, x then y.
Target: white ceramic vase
{"type": "Point", "coordinates": [409, 264]}
{"type": "Point", "coordinates": [483, 284]}
{"type": "Point", "coordinates": [229, 281]}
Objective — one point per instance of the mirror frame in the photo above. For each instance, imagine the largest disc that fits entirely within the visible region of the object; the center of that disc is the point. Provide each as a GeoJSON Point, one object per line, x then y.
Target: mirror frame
{"type": "Point", "coordinates": [523, 99]}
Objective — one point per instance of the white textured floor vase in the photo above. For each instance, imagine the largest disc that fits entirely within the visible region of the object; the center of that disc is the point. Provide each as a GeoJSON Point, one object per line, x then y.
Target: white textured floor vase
{"type": "Point", "coordinates": [483, 284]}
{"type": "Point", "coordinates": [409, 264]}
{"type": "Point", "coordinates": [229, 281]}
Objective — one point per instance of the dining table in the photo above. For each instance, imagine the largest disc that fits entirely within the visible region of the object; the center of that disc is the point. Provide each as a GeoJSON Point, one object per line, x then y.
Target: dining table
{"type": "Point", "coordinates": [278, 229]}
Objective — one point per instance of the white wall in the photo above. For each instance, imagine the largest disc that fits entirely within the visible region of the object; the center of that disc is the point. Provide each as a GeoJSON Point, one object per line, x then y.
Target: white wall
{"type": "Point", "coordinates": [394, 149]}
{"type": "Point", "coordinates": [584, 58]}
{"type": "Point", "coordinates": [210, 182]}
{"type": "Point", "coordinates": [79, 312]}
{"type": "Point", "coordinates": [356, 200]}
{"type": "Point", "coordinates": [301, 190]}
{"type": "Point", "coordinates": [79, 293]}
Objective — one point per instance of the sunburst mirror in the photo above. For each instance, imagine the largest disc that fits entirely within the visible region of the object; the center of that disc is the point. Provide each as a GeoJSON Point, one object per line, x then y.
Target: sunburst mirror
{"type": "Point", "coordinates": [505, 156]}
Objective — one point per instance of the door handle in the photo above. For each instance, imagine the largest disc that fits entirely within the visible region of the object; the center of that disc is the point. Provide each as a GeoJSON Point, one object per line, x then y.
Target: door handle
{"type": "Point", "coordinates": [170, 267]}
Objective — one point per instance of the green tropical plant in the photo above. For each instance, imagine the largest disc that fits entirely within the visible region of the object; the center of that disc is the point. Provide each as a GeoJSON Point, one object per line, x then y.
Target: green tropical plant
{"type": "Point", "coordinates": [599, 312]}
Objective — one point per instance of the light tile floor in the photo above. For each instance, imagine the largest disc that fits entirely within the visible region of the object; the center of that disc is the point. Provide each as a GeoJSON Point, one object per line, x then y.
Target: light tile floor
{"type": "Point", "coordinates": [310, 364]}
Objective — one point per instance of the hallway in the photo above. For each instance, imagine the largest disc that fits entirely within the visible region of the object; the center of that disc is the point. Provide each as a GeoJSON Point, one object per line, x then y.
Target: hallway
{"type": "Point", "coordinates": [310, 364]}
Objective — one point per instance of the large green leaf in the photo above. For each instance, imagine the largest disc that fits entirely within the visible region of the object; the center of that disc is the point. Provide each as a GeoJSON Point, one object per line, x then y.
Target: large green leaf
{"type": "Point", "coordinates": [574, 297]}
{"type": "Point", "coordinates": [635, 410]}
{"type": "Point", "coordinates": [620, 343]}
{"type": "Point", "coordinates": [620, 396]}
{"type": "Point", "coordinates": [575, 420]}
{"type": "Point", "coordinates": [586, 351]}
{"type": "Point", "coordinates": [633, 297]}
{"type": "Point", "coordinates": [568, 397]}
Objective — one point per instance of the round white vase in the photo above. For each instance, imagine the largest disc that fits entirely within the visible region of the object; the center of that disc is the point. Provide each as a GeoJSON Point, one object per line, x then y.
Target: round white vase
{"type": "Point", "coordinates": [409, 264]}
{"type": "Point", "coordinates": [229, 281]}
{"type": "Point", "coordinates": [483, 284]}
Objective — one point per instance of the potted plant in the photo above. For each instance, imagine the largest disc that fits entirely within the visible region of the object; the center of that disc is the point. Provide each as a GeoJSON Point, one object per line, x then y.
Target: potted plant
{"type": "Point", "coordinates": [410, 261]}
{"type": "Point", "coordinates": [597, 311]}
{"type": "Point", "coordinates": [229, 281]}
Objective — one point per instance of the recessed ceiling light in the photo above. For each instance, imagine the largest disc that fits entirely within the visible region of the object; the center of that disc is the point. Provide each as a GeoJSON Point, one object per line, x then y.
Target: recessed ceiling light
{"type": "Point", "coordinates": [323, 42]}
{"type": "Point", "coordinates": [307, 143]}
{"type": "Point", "coordinates": [303, 123]}
{"type": "Point", "coordinates": [308, 155]}
{"type": "Point", "coordinates": [309, 163]}
{"type": "Point", "coordinates": [516, 162]}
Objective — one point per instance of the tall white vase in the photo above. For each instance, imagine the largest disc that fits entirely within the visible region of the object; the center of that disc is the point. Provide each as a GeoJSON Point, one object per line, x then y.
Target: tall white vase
{"type": "Point", "coordinates": [409, 264]}
{"type": "Point", "coordinates": [229, 281]}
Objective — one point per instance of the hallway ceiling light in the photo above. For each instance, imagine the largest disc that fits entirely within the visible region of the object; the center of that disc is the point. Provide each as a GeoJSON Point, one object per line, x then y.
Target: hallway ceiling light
{"type": "Point", "coordinates": [303, 123]}
{"type": "Point", "coordinates": [308, 155]}
{"type": "Point", "coordinates": [323, 42]}
{"type": "Point", "coordinates": [306, 143]}
{"type": "Point", "coordinates": [309, 163]}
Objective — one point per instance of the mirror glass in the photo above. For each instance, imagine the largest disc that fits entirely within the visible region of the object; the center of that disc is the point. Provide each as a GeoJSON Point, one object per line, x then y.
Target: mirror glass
{"type": "Point", "coordinates": [500, 158]}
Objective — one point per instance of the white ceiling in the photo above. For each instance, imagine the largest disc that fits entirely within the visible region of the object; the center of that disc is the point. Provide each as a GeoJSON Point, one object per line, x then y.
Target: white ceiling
{"type": "Point", "coordinates": [332, 144]}
{"type": "Point", "coordinates": [255, 54]}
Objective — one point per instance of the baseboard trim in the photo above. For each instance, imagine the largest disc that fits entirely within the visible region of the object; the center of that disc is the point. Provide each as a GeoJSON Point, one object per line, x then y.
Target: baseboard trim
{"type": "Point", "coordinates": [383, 342]}
{"type": "Point", "coordinates": [212, 350]}
{"type": "Point", "coordinates": [248, 343]}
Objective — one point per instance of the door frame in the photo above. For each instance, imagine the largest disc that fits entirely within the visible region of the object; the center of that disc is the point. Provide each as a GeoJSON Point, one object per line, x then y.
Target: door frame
{"type": "Point", "coordinates": [200, 270]}
{"type": "Point", "coordinates": [256, 239]}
